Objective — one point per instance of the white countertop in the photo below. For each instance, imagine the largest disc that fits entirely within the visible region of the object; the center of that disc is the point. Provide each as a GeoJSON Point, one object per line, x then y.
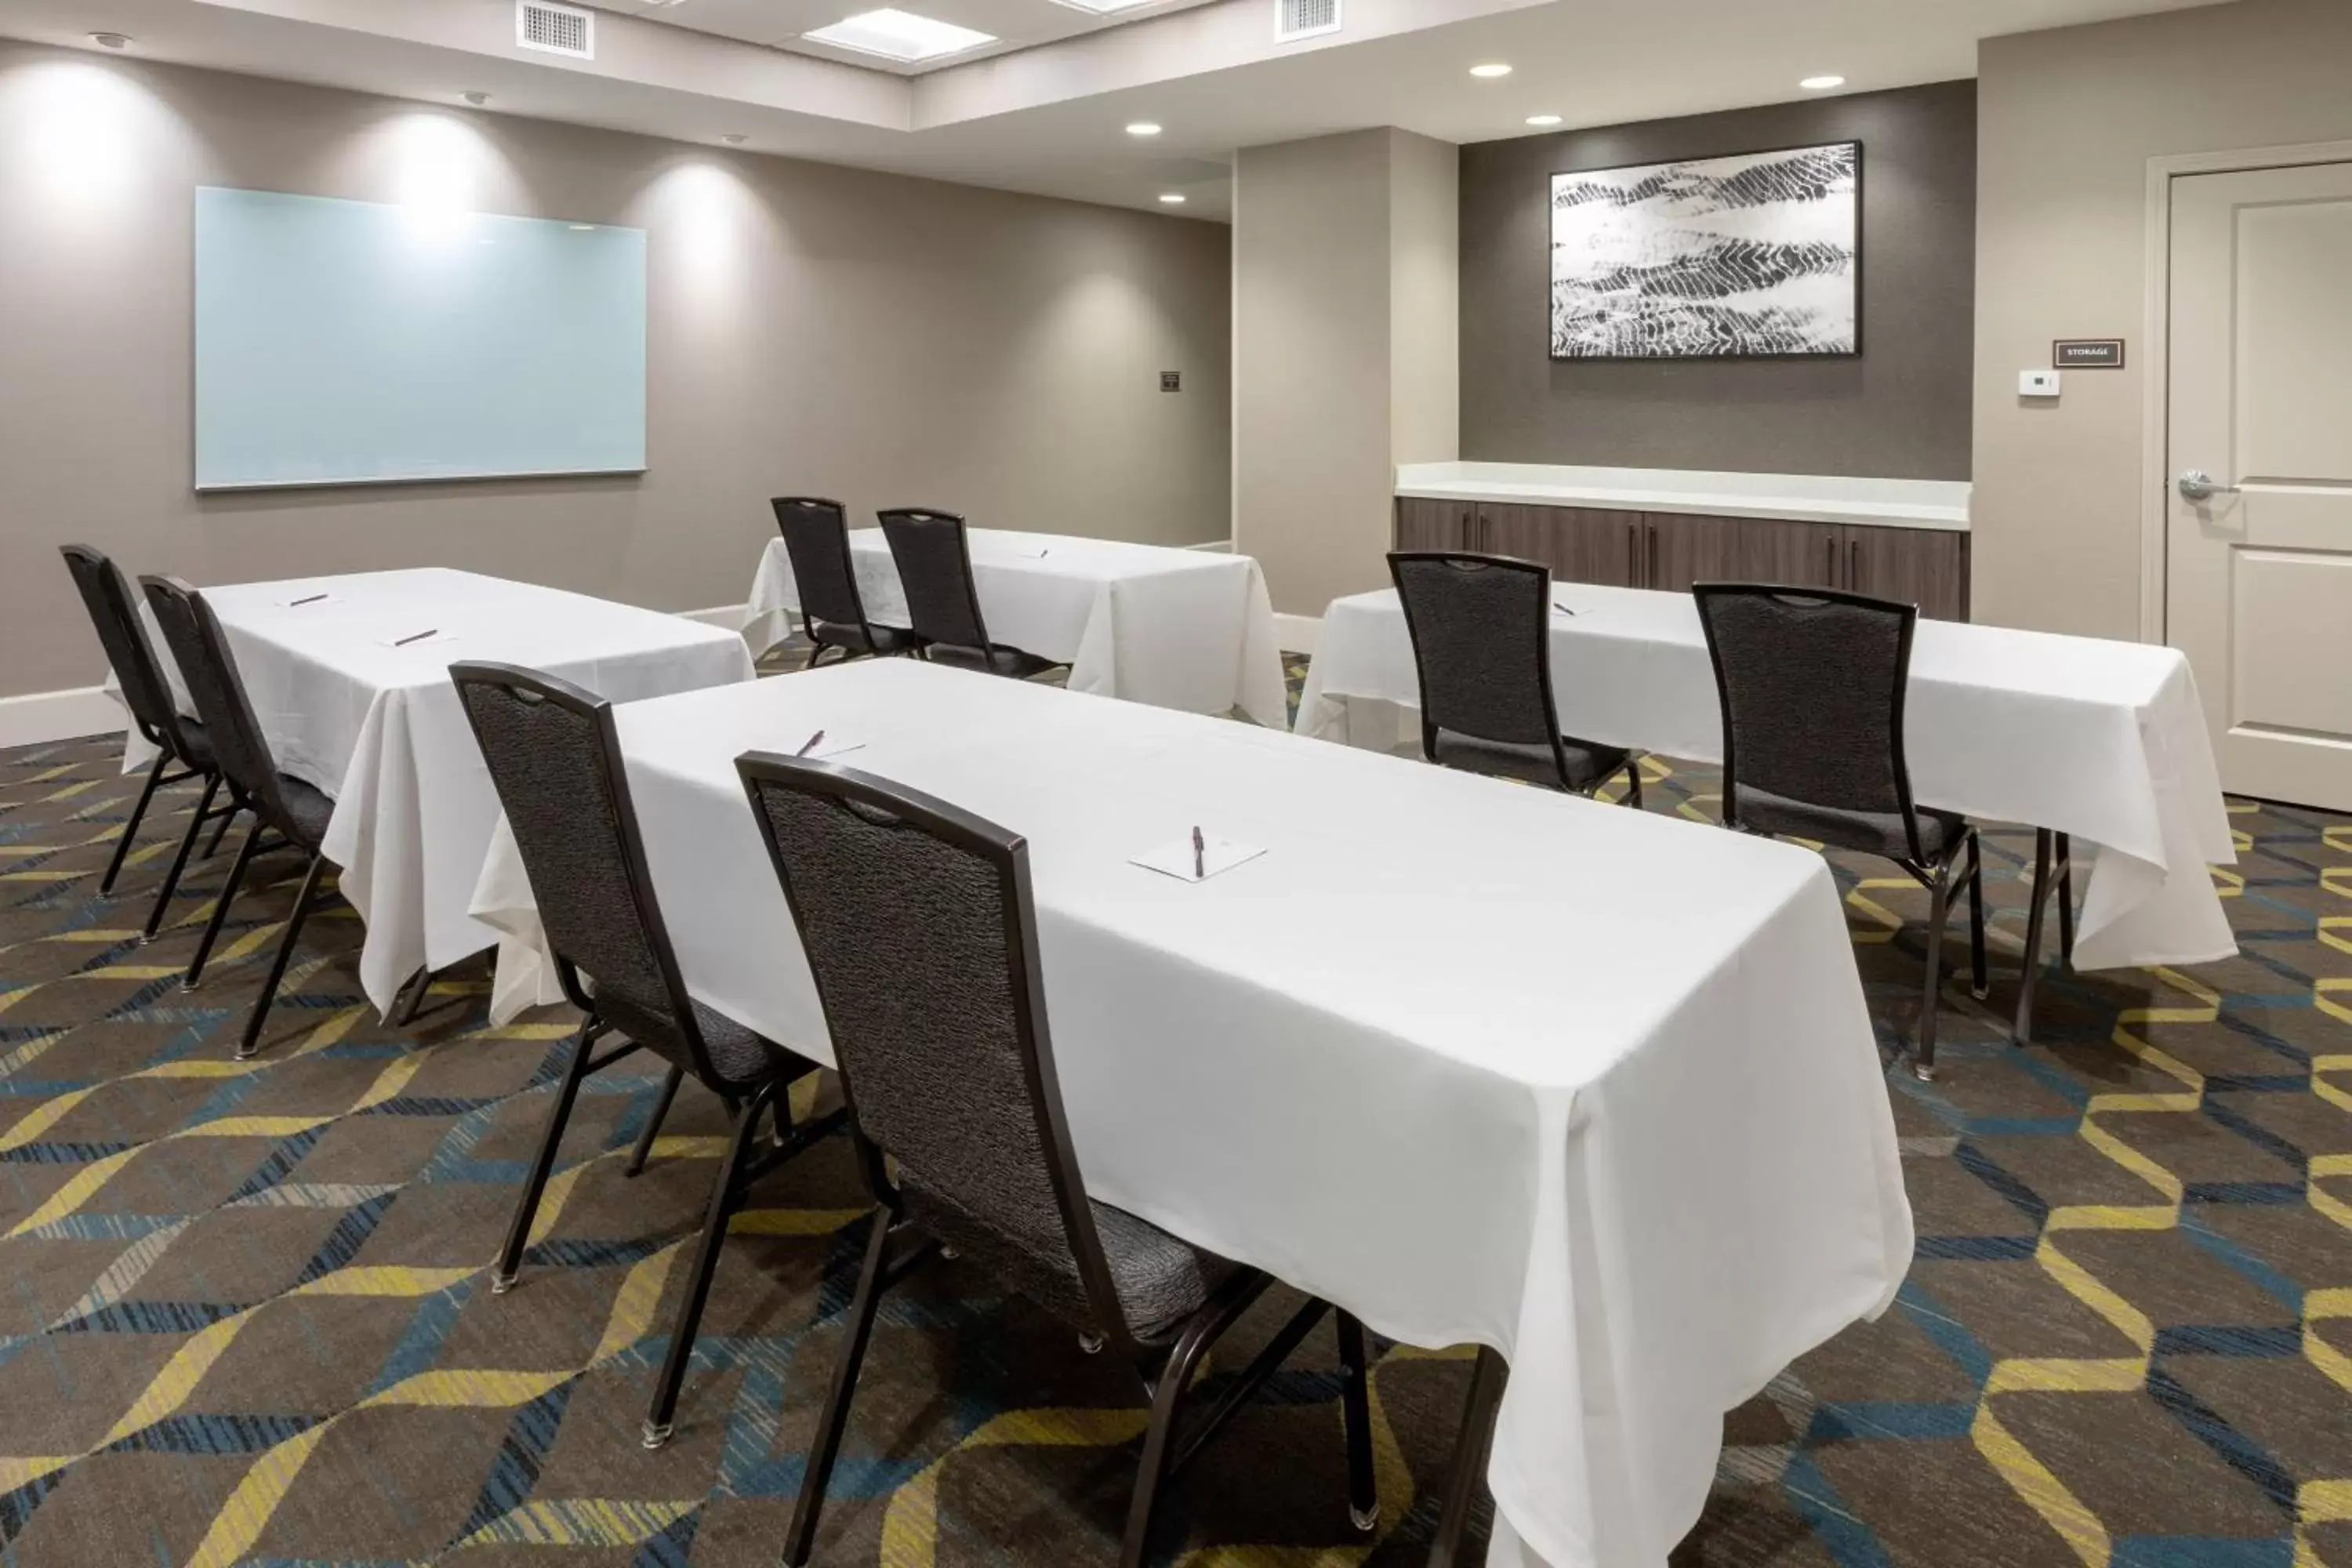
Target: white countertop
{"type": "Point", "coordinates": [1800, 498]}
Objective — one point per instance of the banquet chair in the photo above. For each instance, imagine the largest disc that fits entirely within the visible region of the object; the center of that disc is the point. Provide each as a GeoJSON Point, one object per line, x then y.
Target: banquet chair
{"type": "Point", "coordinates": [1481, 631]}
{"type": "Point", "coordinates": [555, 761]}
{"type": "Point", "coordinates": [920, 930]}
{"type": "Point", "coordinates": [933, 554]}
{"type": "Point", "coordinates": [180, 742]}
{"type": "Point", "coordinates": [280, 804]}
{"type": "Point", "coordinates": [833, 612]}
{"type": "Point", "coordinates": [1813, 683]}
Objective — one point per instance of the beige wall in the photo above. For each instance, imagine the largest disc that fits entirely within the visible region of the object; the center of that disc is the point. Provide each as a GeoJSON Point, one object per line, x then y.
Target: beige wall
{"type": "Point", "coordinates": [812, 328]}
{"type": "Point", "coordinates": [1344, 358]}
{"type": "Point", "coordinates": [2068, 121]}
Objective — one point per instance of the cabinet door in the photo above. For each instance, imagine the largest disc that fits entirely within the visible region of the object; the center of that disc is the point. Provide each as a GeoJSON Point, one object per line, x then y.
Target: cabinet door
{"type": "Point", "coordinates": [1425, 524]}
{"type": "Point", "coordinates": [1928, 567]}
{"type": "Point", "coordinates": [1579, 545]}
{"type": "Point", "coordinates": [1681, 549]}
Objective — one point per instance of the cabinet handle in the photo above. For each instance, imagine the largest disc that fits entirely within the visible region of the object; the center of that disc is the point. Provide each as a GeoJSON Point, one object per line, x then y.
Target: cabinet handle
{"type": "Point", "coordinates": [1854, 564]}
{"type": "Point", "coordinates": [1634, 578]}
{"type": "Point", "coordinates": [1829, 563]}
{"type": "Point", "coordinates": [1654, 554]}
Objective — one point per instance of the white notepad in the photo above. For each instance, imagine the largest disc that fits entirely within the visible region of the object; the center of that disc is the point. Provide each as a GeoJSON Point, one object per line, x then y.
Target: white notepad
{"type": "Point", "coordinates": [1175, 857]}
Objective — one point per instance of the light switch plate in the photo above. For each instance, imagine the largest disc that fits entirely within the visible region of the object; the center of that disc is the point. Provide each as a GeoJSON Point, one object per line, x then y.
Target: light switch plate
{"type": "Point", "coordinates": [2037, 383]}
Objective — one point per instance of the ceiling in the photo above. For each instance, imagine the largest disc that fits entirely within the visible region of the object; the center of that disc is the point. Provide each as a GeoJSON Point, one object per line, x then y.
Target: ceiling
{"type": "Point", "coordinates": [1048, 116]}
{"type": "Point", "coordinates": [779, 24]}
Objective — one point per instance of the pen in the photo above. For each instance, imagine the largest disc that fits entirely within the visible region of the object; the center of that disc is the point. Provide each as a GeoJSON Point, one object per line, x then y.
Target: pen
{"type": "Point", "coordinates": [420, 636]}
{"type": "Point", "coordinates": [1563, 609]}
{"type": "Point", "coordinates": [311, 600]}
{"type": "Point", "coordinates": [1200, 858]}
{"type": "Point", "coordinates": [810, 744]}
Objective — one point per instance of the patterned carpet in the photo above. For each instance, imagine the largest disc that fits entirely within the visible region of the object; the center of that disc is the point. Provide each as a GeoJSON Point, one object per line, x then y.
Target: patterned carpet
{"type": "Point", "coordinates": [244, 1314]}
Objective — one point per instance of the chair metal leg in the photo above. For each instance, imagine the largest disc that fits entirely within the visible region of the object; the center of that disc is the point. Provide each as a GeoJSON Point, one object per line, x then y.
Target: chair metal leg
{"type": "Point", "coordinates": [1633, 783]}
{"type": "Point", "coordinates": [1940, 909]}
{"type": "Point", "coordinates": [2020, 1031]}
{"type": "Point", "coordinates": [830, 1425]}
{"type": "Point", "coordinates": [179, 862]}
{"type": "Point", "coordinates": [509, 1263]}
{"type": "Point", "coordinates": [1486, 1380]}
{"type": "Point", "coordinates": [1980, 983]}
{"type": "Point", "coordinates": [221, 832]}
{"type": "Point", "coordinates": [2066, 900]}
{"type": "Point", "coordinates": [652, 1123]}
{"type": "Point", "coordinates": [131, 829]}
{"type": "Point", "coordinates": [660, 1419]}
{"type": "Point", "coordinates": [1356, 1411]}
{"type": "Point", "coordinates": [1168, 1394]}
{"type": "Point", "coordinates": [220, 909]}
{"type": "Point", "coordinates": [286, 939]}
{"type": "Point", "coordinates": [410, 1000]}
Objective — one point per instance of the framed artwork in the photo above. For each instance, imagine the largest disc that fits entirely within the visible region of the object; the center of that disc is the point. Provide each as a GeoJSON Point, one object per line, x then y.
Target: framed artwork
{"type": "Point", "coordinates": [1754, 256]}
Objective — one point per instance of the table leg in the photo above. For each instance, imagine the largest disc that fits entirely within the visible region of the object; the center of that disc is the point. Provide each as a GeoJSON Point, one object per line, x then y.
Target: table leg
{"type": "Point", "coordinates": [2022, 1032]}
{"type": "Point", "coordinates": [1469, 1458]}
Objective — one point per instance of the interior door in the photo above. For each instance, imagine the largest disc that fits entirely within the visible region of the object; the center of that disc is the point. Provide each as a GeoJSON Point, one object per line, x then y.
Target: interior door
{"type": "Point", "coordinates": [2259, 557]}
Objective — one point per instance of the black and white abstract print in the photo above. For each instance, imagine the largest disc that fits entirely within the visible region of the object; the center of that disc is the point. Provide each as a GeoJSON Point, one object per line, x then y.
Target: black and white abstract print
{"type": "Point", "coordinates": [1715, 257]}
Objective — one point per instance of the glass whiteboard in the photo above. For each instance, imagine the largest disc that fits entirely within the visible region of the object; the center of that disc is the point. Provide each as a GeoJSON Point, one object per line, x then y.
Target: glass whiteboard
{"type": "Point", "coordinates": [355, 343]}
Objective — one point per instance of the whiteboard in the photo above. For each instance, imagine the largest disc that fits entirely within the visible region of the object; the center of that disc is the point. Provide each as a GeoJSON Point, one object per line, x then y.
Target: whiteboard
{"type": "Point", "coordinates": [357, 343]}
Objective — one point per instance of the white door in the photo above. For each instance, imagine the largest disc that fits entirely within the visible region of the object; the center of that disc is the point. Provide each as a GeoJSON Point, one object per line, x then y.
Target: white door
{"type": "Point", "coordinates": [2259, 573]}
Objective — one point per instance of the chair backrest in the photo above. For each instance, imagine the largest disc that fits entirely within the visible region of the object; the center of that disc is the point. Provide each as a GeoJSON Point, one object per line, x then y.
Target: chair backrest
{"type": "Point", "coordinates": [817, 538]}
{"type": "Point", "coordinates": [200, 647]}
{"type": "Point", "coordinates": [555, 760]}
{"type": "Point", "coordinates": [1813, 683]}
{"type": "Point", "coordinates": [934, 560]}
{"type": "Point", "coordinates": [1481, 630]}
{"type": "Point", "coordinates": [145, 690]}
{"type": "Point", "coordinates": [920, 930]}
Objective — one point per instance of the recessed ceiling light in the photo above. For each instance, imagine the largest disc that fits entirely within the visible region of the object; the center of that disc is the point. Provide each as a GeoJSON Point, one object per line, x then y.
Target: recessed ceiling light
{"type": "Point", "coordinates": [1494, 69]}
{"type": "Point", "coordinates": [1144, 128]}
{"type": "Point", "coordinates": [110, 41]}
{"type": "Point", "coordinates": [1543, 118]}
{"type": "Point", "coordinates": [734, 139]}
{"type": "Point", "coordinates": [475, 97]}
{"type": "Point", "coordinates": [1822, 83]}
{"type": "Point", "coordinates": [1172, 198]}
{"type": "Point", "coordinates": [899, 36]}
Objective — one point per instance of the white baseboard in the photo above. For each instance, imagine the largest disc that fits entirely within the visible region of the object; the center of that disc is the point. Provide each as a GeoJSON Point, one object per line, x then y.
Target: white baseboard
{"type": "Point", "coordinates": [726, 618]}
{"type": "Point", "coordinates": [1296, 634]}
{"type": "Point", "coordinates": [38, 717]}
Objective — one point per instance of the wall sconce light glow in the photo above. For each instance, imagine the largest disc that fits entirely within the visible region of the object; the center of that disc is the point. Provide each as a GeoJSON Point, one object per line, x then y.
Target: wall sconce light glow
{"type": "Point", "coordinates": [1171, 198]}
{"type": "Point", "coordinates": [110, 41]}
{"type": "Point", "coordinates": [87, 124]}
{"type": "Point", "coordinates": [1822, 83]}
{"type": "Point", "coordinates": [1143, 128]}
{"type": "Point", "coordinates": [1491, 71]}
{"type": "Point", "coordinates": [438, 160]}
{"type": "Point", "coordinates": [1543, 118]}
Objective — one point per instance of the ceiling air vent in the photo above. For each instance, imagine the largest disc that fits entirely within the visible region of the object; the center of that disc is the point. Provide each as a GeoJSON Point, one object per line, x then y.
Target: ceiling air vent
{"type": "Point", "coordinates": [555, 29]}
{"type": "Point", "coordinates": [1304, 18]}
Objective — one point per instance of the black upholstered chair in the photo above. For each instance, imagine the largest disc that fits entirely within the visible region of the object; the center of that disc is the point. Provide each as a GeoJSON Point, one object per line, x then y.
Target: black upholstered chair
{"type": "Point", "coordinates": [933, 555]}
{"type": "Point", "coordinates": [181, 742]}
{"type": "Point", "coordinates": [296, 812]}
{"type": "Point", "coordinates": [817, 538]}
{"type": "Point", "coordinates": [555, 761]}
{"type": "Point", "coordinates": [921, 930]}
{"type": "Point", "coordinates": [1812, 683]}
{"type": "Point", "coordinates": [1481, 630]}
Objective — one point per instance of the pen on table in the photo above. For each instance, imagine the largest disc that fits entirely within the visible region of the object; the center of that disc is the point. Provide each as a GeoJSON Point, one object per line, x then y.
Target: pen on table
{"type": "Point", "coordinates": [1200, 858]}
{"type": "Point", "coordinates": [810, 744]}
{"type": "Point", "coordinates": [311, 600]}
{"type": "Point", "coordinates": [419, 637]}
{"type": "Point", "coordinates": [1563, 609]}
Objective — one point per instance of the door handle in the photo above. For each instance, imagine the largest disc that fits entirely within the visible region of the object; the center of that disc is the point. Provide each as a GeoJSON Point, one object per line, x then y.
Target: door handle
{"type": "Point", "coordinates": [2198, 487]}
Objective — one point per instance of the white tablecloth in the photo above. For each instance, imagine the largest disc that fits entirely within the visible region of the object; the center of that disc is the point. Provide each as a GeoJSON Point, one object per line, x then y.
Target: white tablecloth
{"type": "Point", "coordinates": [1477, 1062]}
{"type": "Point", "coordinates": [2104, 741]}
{"type": "Point", "coordinates": [381, 731]}
{"type": "Point", "coordinates": [1177, 628]}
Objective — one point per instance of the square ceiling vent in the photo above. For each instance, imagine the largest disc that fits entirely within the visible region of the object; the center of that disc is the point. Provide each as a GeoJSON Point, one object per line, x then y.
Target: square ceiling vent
{"type": "Point", "coordinates": [1304, 18]}
{"type": "Point", "coordinates": [555, 29]}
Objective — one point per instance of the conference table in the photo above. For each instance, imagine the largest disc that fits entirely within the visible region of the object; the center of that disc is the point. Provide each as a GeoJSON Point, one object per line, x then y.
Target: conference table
{"type": "Point", "coordinates": [1478, 1063]}
{"type": "Point", "coordinates": [354, 701]}
{"type": "Point", "coordinates": [1192, 629]}
{"type": "Point", "coordinates": [2103, 741]}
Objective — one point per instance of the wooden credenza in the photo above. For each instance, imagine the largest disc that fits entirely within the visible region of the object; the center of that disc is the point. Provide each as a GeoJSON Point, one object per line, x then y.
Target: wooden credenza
{"type": "Point", "coordinates": [1928, 567]}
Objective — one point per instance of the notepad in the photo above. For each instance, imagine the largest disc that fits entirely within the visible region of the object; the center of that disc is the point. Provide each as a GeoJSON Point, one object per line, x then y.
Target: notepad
{"type": "Point", "coordinates": [1174, 858]}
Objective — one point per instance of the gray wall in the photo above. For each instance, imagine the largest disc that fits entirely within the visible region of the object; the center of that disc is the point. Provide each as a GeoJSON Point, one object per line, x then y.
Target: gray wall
{"type": "Point", "coordinates": [812, 329]}
{"type": "Point", "coordinates": [1899, 411]}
